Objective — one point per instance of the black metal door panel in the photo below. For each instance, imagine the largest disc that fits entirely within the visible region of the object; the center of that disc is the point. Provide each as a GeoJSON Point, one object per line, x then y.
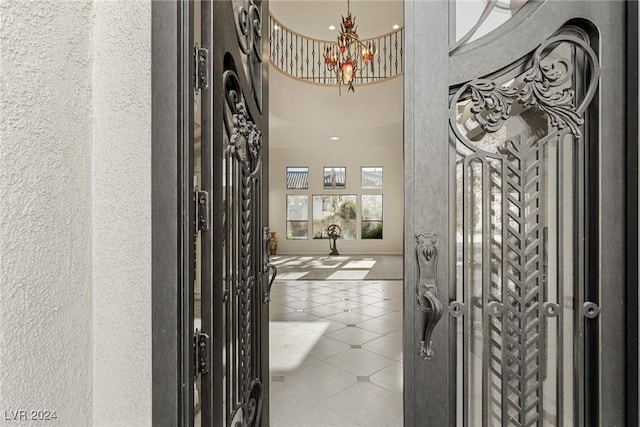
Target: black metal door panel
{"type": "Point", "coordinates": [514, 315]}
{"type": "Point", "coordinates": [234, 171]}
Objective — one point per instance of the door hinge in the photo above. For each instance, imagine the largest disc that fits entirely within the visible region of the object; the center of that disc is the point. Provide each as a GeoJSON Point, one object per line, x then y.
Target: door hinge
{"type": "Point", "coordinates": [201, 68]}
{"type": "Point", "coordinates": [201, 353]}
{"type": "Point", "coordinates": [202, 210]}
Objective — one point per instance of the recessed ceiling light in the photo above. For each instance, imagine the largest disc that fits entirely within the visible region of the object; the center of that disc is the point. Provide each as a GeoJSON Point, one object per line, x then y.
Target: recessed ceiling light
{"type": "Point", "coordinates": [332, 27]}
{"type": "Point", "coordinates": [395, 26]}
{"type": "Point", "coordinates": [335, 138]}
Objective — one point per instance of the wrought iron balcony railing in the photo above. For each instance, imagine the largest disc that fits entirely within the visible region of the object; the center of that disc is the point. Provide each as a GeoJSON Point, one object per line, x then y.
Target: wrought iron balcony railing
{"type": "Point", "coordinates": [302, 57]}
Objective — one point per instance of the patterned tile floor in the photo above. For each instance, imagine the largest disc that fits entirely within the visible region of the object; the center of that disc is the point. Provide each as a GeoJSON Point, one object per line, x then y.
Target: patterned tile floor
{"type": "Point", "coordinates": [336, 353]}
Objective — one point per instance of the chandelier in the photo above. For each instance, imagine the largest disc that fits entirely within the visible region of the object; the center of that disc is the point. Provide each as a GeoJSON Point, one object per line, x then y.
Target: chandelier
{"type": "Point", "coordinates": [345, 57]}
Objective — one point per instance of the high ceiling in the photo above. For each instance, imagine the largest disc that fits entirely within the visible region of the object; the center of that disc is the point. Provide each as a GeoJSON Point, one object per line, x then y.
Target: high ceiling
{"type": "Point", "coordinates": [307, 115]}
{"type": "Point", "coordinates": [312, 17]}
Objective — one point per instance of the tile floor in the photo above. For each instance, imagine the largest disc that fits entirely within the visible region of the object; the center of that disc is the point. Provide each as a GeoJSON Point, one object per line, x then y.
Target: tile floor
{"type": "Point", "coordinates": [336, 353]}
{"type": "Point", "coordinates": [344, 267]}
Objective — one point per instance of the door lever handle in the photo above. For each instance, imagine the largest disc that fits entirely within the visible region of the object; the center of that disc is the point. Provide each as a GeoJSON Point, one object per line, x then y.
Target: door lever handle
{"type": "Point", "coordinates": [267, 265]}
{"type": "Point", "coordinates": [427, 289]}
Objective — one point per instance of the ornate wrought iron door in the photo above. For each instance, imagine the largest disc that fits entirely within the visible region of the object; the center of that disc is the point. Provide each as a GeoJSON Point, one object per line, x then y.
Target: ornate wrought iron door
{"type": "Point", "coordinates": [236, 266]}
{"type": "Point", "coordinates": [517, 316]}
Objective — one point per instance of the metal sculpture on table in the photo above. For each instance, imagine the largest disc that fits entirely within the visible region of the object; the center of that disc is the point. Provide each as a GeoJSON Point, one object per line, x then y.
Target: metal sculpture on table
{"type": "Point", "coordinates": [427, 289]}
{"type": "Point", "coordinates": [334, 232]}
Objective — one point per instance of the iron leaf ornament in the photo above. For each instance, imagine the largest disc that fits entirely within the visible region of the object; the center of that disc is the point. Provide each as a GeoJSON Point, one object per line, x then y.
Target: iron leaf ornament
{"type": "Point", "coordinates": [491, 104]}
{"type": "Point", "coordinates": [545, 85]}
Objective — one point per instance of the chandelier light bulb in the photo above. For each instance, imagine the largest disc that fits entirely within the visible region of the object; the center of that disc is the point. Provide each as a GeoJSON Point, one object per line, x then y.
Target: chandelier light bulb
{"type": "Point", "coordinates": [347, 72]}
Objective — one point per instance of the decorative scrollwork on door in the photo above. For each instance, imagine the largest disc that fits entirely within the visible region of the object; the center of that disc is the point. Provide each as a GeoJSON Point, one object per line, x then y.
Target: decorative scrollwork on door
{"type": "Point", "coordinates": [243, 236]}
{"type": "Point", "coordinates": [545, 85]}
{"type": "Point", "coordinates": [248, 22]}
{"type": "Point", "coordinates": [515, 135]}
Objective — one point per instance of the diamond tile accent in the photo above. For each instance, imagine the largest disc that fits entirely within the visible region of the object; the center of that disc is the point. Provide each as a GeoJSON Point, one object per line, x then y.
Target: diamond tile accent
{"type": "Point", "coordinates": [337, 362]}
{"type": "Point", "coordinates": [359, 362]}
{"type": "Point", "coordinates": [348, 317]}
{"type": "Point", "coordinates": [353, 335]}
{"type": "Point", "coordinates": [389, 378]}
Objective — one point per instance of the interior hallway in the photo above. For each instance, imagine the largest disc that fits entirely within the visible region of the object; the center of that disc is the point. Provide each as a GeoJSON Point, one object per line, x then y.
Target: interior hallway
{"type": "Point", "coordinates": [336, 352]}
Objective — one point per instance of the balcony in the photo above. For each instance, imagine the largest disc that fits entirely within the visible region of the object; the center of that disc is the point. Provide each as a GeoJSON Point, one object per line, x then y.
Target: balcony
{"type": "Point", "coordinates": [301, 57]}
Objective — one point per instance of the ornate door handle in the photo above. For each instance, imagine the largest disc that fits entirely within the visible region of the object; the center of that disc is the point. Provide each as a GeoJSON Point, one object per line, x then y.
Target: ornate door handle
{"type": "Point", "coordinates": [427, 289]}
{"type": "Point", "coordinates": [267, 265]}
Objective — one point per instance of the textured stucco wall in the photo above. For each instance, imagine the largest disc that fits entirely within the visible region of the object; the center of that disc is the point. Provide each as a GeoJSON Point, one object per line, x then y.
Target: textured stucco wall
{"type": "Point", "coordinates": [122, 213]}
{"type": "Point", "coordinates": [75, 205]}
{"type": "Point", "coordinates": [45, 210]}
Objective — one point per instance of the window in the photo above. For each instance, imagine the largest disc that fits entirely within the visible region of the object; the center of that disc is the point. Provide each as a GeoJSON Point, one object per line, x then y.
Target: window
{"type": "Point", "coordinates": [335, 177]}
{"type": "Point", "coordinates": [371, 216]}
{"type": "Point", "coordinates": [297, 178]}
{"type": "Point", "coordinates": [372, 177]}
{"type": "Point", "coordinates": [335, 209]}
{"type": "Point", "coordinates": [297, 217]}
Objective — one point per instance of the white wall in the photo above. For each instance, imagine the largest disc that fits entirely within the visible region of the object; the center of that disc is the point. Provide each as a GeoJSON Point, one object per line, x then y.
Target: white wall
{"type": "Point", "coordinates": [339, 154]}
{"type": "Point", "coordinates": [122, 213]}
{"type": "Point", "coordinates": [75, 324]}
{"type": "Point", "coordinates": [46, 352]}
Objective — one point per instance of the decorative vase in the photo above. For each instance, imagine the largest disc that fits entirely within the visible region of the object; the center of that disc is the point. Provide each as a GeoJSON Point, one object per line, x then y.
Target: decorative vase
{"type": "Point", "coordinates": [273, 243]}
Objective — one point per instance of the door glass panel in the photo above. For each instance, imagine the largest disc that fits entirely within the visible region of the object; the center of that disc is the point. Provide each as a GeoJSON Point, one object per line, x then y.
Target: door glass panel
{"type": "Point", "coordinates": [476, 18]}
{"type": "Point", "coordinates": [518, 223]}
